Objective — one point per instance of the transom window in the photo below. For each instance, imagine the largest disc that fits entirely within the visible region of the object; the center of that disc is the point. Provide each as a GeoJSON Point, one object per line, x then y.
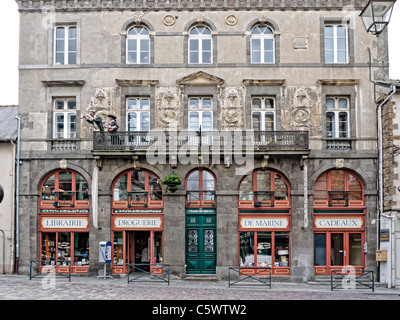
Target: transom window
{"type": "Point", "coordinates": [200, 113]}
{"type": "Point", "coordinates": [263, 114]}
{"type": "Point", "coordinates": [200, 188]}
{"type": "Point", "coordinates": [336, 47]}
{"type": "Point", "coordinates": [337, 117]}
{"type": "Point", "coordinates": [138, 114]}
{"type": "Point", "coordinates": [264, 188]}
{"type": "Point", "coordinates": [138, 188]}
{"type": "Point", "coordinates": [65, 188]}
{"type": "Point", "coordinates": [200, 45]}
{"type": "Point", "coordinates": [138, 45]}
{"type": "Point", "coordinates": [64, 118]}
{"type": "Point", "coordinates": [65, 49]}
{"type": "Point", "coordinates": [338, 188]}
{"type": "Point", "coordinates": [262, 45]}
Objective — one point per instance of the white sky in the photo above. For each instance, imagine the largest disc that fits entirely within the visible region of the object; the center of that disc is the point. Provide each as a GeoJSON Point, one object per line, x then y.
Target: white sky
{"type": "Point", "coordinates": [9, 31]}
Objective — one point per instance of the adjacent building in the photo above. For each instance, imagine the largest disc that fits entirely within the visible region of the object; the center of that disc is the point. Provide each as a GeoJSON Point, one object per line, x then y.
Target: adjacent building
{"type": "Point", "coordinates": [8, 154]}
{"type": "Point", "coordinates": [264, 109]}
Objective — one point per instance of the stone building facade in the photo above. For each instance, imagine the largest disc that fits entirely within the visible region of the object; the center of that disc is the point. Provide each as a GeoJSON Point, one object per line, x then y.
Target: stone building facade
{"type": "Point", "coordinates": [271, 127]}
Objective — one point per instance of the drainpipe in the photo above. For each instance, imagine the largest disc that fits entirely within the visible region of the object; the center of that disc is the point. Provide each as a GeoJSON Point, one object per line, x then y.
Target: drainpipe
{"type": "Point", "coordinates": [17, 198]}
{"type": "Point", "coordinates": [381, 213]}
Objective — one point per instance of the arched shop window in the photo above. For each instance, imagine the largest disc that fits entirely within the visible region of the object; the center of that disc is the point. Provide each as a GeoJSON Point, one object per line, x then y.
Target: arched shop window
{"type": "Point", "coordinates": [264, 188]}
{"type": "Point", "coordinates": [64, 221]}
{"type": "Point", "coordinates": [137, 188]}
{"type": "Point", "coordinates": [339, 221]}
{"type": "Point", "coordinates": [65, 188]}
{"type": "Point", "coordinates": [264, 222]}
{"type": "Point", "coordinates": [137, 221]}
{"type": "Point", "coordinates": [200, 189]}
{"type": "Point", "coordinates": [338, 188]}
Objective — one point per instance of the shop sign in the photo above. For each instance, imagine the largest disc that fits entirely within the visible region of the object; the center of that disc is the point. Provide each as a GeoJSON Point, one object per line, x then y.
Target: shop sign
{"type": "Point", "coordinates": [132, 223]}
{"type": "Point", "coordinates": [338, 223]}
{"type": "Point", "coordinates": [264, 223]}
{"type": "Point", "coordinates": [200, 211]}
{"type": "Point", "coordinates": [65, 223]}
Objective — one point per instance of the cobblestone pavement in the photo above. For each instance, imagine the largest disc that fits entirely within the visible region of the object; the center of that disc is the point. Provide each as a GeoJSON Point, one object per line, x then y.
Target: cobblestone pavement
{"type": "Point", "coordinates": [19, 287]}
{"type": "Point", "coordinates": [189, 299]}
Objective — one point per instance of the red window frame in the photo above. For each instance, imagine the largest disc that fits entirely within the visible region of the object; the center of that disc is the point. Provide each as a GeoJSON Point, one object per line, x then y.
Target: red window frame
{"type": "Point", "coordinates": [201, 197]}
{"type": "Point", "coordinates": [60, 198]}
{"type": "Point", "coordinates": [338, 198]}
{"type": "Point", "coordinates": [257, 194]}
{"type": "Point", "coordinates": [138, 199]}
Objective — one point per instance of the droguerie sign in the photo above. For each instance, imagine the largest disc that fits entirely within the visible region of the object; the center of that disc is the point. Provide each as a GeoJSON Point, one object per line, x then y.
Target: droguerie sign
{"type": "Point", "coordinates": [338, 223]}
{"type": "Point", "coordinates": [279, 223]}
{"type": "Point", "coordinates": [138, 223]}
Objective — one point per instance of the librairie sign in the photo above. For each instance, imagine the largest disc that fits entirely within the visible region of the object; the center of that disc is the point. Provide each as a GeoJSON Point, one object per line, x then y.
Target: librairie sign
{"type": "Point", "coordinates": [264, 223]}
{"type": "Point", "coordinates": [65, 223]}
{"type": "Point", "coordinates": [132, 223]}
{"type": "Point", "coordinates": [338, 223]}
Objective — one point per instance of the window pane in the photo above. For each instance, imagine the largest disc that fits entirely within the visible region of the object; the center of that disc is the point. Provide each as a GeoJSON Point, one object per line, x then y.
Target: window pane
{"type": "Point", "coordinates": [132, 104]}
{"type": "Point", "coordinates": [269, 122]}
{"type": "Point", "coordinates": [71, 104]}
{"type": "Point", "coordinates": [328, 31]}
{"type": "Point", "coordinates": [319, 249]}
{"type": "Point", "coordinates": [82, 189]}
{"type": "Point", "coordinates": [72, 45]}
{"type": "Point", "coordinates": [263, 180]}
{"type": "Point", "coordinates": [341, 32]}
{"type": "Point", "coordinates": [60, 45]}
{"type": "Point", "coordinates": [330, 125]}
{"type": "Point", "coordinates": [132, 121]}
{"type": "Point", "coordinates": [81, 249]}
{"type": "Point", "coordinates": [72, 58]}
{"type": "Point", "coordinates": [60, 58]}
{"type": "Point", "coordinates": [264, 249]}
{"type": "Point", "coordinates": [72, 126]}
{"type": "Point", "coordinates": [321, 187]}
{"type": "Point", "coordinates": [282, 249]}
{"type": "Point", "coordinates": [157, 248]}
{"type": "Point", "coordinates": [145, 121]}
{"type": "Point", "coordinates": [144, 104]}
{"type": "Point", "coordinates": [138, 181]}
{"type": "Point", "coordinates": [337, 180]}
{"type": "Point", "coordinates": [120, 189]}
{"type": "Point", "coordinates": [268, 44]}
{"type": "Point", "coordinates": [342, 103]}
{"type": "Point", "coordinates": [256, 121]}
{"type": "Point", "coordinates": [246, 188]}
{"type": "Point", "coordinates": [207, 103]}
{"type": "Point", "coordinates": [207, 121]}
{"type": "Point", "coordinates": [64, 248]}
{"type": "Point", "coordinates": [48, 188]}
{"type": "Point", "coordinates": [194, 57]}
{"type": "Point", "coordinates": [132, 57]}
{"type": "Point", "coordinates": [193, 121]}
{"type": "Point", "coordinates": [256, 103]}
{"type": "Point", "coordinates": [269, 103]}
{"type": "Point", "coordinates": [132, 45]}
{"type": "Point", "coordinates": [193, 103]}
{"type": "Point", "coordinates": [49, 251]}
{"type": "Point", "coordinates": [341, 57]}
{"type": "Point", "coordinates": [247, 249]}
{"type": "Point", "coordinates": [281, 189]}
{"type": "Point", "coordinates": [330, 103]}
{"type": "Point", "coordinates": [59, 104]}
{"type": "Point", "coordinates": [355, 249]}
{"type": "Point", "coordinates": [329, 56]}
{"type": "Point", "coordinates": [206, 44]}
{"type": "Point", "coordinates": [343, 125]}
{"type": "Point", "coordinates": [355, 188]}
{"type": "Point", "coordinates": [268, 56]}
{"type": "Point", "coordinates": [206, 57]}
{"type": "Point", "coordinates": [59, 125]}
{"type": "Point", "coordinates": [118, 248]}
{"type": "Point", "coordinates": [60, 32]}
{"type": "Point", "coordinates": [336, 249]}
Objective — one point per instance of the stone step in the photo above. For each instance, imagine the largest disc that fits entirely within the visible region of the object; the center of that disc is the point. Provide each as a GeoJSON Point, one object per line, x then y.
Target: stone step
{"type": "Point", "coordinates": [201, 277]}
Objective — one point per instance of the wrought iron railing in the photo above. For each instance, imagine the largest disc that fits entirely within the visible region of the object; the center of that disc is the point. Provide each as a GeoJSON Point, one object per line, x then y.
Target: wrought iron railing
{"type": "Point", "coordinates": [338, 198]}
{"type": "Point", "coordinates": [258, 276]}
{"type": "Point", "coordinates": [44, 268]}
{"type": "Point", "coordinates": [352, 279]}
{"type": "Point", "coordinates": [145, 272]}
{"type": "Point", "coordinates": [216, 140]}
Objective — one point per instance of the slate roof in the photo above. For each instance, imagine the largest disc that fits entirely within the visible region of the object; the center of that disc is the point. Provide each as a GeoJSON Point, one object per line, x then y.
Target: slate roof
{"type": "Point", "coordinates": [8, 123]}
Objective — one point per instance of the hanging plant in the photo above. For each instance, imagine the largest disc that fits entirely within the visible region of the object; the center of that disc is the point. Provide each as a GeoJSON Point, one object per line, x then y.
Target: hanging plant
{"type": "Point", "coordinates": [171, 182]}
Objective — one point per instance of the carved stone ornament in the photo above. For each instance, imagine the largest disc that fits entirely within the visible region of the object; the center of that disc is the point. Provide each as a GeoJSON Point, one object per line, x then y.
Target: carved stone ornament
{"type": "Point", "coordinates": [231, 20]}
{"type": "Point", "coordinates": [232, 108]}
{"type": "Point", "coordinates": [301, 108]}
{"type": "Point", "coordinates": [169, 20]}
{"type": "Point", "coordinates": [168, 108]}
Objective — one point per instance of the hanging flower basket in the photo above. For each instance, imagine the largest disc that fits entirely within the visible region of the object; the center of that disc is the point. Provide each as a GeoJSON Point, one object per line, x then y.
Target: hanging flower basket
{"type": "Point", "coordinates": [171, 182]}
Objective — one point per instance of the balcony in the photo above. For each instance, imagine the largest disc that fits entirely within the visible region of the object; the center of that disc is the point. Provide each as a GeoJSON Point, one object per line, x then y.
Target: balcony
{"type": "Point", "coordinates": [168, 142]}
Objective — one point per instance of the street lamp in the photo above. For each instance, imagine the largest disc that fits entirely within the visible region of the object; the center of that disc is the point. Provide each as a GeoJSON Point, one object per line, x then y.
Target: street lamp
{"type": "Point", "coordinates": [376, 15]}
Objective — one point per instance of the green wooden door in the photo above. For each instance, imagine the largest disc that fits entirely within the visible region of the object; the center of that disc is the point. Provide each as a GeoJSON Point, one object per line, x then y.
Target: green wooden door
{"type": "Point", "coordinates": [200, 242]}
